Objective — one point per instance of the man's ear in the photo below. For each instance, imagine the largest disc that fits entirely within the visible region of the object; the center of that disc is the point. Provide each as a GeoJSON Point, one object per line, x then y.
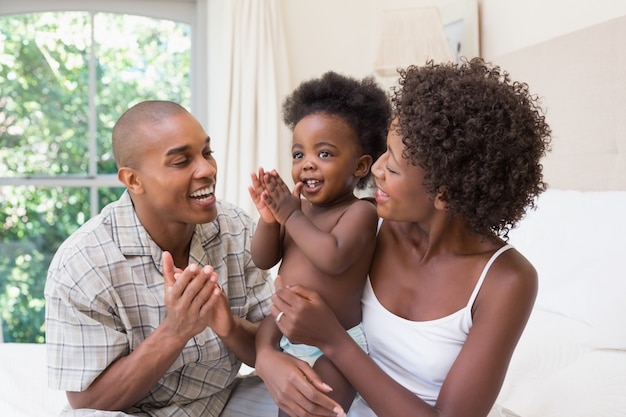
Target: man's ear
{"type": "Point", "coordinates": [363, 166]}
{"type": "Point", "coordinates": [130, 178]}
{"type": "Point", "coordinates": [441, 198]}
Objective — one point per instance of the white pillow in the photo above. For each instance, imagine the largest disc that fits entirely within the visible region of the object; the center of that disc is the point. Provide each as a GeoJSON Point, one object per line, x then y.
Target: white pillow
{"type": "Point", "coordinates": [24, 388]}
{"type": "Point", "coordinates": [594, 385]}
{"type": "Point", "coordinates": [550, 343]}
{"type": "Point", "coordinates": [576, 241]}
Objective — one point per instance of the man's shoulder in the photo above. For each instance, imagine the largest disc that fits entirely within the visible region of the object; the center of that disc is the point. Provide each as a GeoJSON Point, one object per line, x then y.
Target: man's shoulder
{"type": "Point", "coordinates": [88, 231]}
{"type": "Point", "coordinates": [228, 208]}
{"type": "Point", "coordinates": [95, 233]}
{"type": "Point", "coordinates": [229, 212]}
{"type": "Point", "coordinates": [231, 221]}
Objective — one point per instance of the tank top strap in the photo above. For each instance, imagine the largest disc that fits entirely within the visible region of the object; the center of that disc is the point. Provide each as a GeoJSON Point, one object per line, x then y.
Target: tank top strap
{"type": "Point", "coordinates": [479, 284]}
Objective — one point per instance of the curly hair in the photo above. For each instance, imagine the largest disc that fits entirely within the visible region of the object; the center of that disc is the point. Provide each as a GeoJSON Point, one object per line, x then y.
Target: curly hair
{"type": "Point", "coordinates": [363, 104]}
{"type": "Point", "coordinates": [478, 135]}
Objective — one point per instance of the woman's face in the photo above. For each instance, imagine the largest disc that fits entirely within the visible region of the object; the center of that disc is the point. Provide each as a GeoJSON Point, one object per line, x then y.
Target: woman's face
{"type": "Point", "coordinates": [400, 194]}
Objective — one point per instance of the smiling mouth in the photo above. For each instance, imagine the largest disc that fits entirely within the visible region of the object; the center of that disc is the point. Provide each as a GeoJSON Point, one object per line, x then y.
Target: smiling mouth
{"type": "Point", "coordinates": [205, 193]}
{"type": "Point", "coordinates": [379, 194]}
{"type": "Point", "coordinates": [312, 183]}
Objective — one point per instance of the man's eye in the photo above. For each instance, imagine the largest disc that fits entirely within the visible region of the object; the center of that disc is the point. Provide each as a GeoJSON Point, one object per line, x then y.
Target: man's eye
{"type": "Point", "coordinates": [180, 162]}
{"type": "Point", "coordinates": [208, 154]}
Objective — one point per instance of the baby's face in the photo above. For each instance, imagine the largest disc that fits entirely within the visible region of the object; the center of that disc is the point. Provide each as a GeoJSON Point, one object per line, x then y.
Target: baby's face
{"type": "Point", "coordinates": [326, 157]}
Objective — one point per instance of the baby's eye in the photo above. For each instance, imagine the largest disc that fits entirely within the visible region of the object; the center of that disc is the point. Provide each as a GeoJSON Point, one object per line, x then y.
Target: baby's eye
{"type": "Point", "coordinates": [297, 155]}
{"type": "Point", "coordinates": [324, 154]}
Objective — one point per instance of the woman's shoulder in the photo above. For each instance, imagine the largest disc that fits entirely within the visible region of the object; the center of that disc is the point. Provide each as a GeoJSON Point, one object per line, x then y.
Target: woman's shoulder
{"type": "Point", "coordinates": [513, 265]}
{"type": "Point", "coordinates": [511, 278]}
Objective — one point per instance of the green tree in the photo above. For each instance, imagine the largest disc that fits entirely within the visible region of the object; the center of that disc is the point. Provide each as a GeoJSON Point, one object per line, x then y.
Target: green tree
{"type": "Point", "coordinates": [45, 125]}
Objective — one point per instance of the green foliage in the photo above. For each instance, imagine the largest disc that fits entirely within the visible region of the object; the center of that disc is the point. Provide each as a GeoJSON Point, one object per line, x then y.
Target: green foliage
{"type": "Point", "coordinates": [34, 222]}
{"type": "Point", "coordinates": [45, 127]}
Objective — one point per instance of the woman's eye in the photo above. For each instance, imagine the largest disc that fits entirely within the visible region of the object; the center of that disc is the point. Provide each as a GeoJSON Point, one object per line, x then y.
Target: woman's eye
{"type": "Point", "coordinates": [390, 170]}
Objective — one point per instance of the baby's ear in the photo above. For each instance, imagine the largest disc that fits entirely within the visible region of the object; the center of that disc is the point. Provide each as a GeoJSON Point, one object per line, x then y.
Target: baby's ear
{"type": "Point", "coordinates": [363, 166]}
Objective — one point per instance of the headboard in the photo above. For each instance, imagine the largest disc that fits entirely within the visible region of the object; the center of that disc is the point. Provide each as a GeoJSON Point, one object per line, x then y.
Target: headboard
{"type": "Point", "coordinates": [581, 78]}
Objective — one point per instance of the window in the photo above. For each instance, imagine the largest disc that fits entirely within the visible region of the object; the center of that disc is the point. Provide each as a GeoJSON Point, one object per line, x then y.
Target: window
{"type": "Point", "coordinates": [66, 76]}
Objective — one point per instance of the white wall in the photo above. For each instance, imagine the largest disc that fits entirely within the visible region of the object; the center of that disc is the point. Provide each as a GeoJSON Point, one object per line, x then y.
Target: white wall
{"type": "Point", "coordinates": [509, 25]}
{"type": "Point", "coordinates": [325, 35]}
{"type": "Point", "coordinates": [342, 35]}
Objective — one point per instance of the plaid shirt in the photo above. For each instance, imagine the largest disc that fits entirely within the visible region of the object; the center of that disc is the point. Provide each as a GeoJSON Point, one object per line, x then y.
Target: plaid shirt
{"type": "Point", "coordinates": [104, 296]}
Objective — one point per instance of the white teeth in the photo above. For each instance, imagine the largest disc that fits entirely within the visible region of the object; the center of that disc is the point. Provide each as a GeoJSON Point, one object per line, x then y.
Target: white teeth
{"type": "Point", "coordinates": [311, 183]}
{"type": "Point", "coordinates": [203, 192]}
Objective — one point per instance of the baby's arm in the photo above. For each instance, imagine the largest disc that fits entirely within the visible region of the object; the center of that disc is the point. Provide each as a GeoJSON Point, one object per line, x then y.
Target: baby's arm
{"type": "Point", "coordinates": [266, 243]}
{"type": "Point", "coordinates": [331, 252]}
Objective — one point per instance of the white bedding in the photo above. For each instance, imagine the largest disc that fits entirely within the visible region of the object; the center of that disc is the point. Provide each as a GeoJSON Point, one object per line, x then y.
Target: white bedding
{"type": "Point", "coordinates": [575, 239]}
{"type": "Point", "coordinates": [24, 382]}
{"type": "Point", "coordinates": [556, 372]}
{"type": "Point", "coordinates": [571, 359]}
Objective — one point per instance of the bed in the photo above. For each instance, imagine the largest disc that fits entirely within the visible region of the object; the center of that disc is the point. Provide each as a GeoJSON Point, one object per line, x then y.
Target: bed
{"type": "Point", "coordinates": [571, 359]}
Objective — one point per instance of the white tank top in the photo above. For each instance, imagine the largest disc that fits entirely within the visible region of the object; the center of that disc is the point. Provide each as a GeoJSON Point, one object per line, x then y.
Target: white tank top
{"type": "Point", "coordinates": [417, 354]}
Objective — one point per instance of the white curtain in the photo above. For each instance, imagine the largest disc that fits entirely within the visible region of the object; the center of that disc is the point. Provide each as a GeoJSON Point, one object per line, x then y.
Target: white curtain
{"type": "Point", "coordinates": [248, 79]}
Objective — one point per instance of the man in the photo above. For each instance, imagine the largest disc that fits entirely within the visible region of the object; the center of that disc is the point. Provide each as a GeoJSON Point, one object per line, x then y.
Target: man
{"type": "Point", "coordinates": [152, 305]}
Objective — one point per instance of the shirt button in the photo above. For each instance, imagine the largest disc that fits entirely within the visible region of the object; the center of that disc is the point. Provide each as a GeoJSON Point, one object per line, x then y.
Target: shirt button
{"type": "Point", "coordinates": [200, 341]}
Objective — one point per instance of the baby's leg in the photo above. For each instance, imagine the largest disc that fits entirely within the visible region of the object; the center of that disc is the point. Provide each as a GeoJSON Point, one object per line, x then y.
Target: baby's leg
{"type": "Point", "coordinates": [342, 392]}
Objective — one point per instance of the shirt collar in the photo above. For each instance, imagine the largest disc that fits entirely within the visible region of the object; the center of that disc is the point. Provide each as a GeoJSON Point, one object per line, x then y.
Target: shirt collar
{"type": "Point", "coordinates": [133, 239]}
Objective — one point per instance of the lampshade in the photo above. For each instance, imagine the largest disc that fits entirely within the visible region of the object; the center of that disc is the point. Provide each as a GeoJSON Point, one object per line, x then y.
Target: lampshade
{"type": "Point", "coordinates": [411, 37]}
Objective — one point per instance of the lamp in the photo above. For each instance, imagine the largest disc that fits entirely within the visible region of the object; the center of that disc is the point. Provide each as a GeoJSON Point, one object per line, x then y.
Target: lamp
{"type": "Point", "coordinates": [411, 37]}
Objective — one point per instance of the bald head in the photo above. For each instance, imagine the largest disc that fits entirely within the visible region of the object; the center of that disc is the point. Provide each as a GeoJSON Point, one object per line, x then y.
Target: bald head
{"type": "Point", "coordinates": [128, 132]}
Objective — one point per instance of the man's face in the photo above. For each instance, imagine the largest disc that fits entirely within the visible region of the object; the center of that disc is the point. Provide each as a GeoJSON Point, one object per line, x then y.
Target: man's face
{"type": "Point", "coordinates": [177, 172]}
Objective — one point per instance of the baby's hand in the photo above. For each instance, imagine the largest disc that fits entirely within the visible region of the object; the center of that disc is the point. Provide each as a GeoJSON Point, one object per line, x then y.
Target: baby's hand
{"type": "Point", "coordinates": [256, 192]}
{"type": "Point", "coordinates": [282, 202]}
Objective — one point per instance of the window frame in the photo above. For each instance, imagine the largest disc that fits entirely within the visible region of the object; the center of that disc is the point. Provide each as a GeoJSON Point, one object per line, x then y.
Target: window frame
{"type": "Point", "coordinates": [192, 12]}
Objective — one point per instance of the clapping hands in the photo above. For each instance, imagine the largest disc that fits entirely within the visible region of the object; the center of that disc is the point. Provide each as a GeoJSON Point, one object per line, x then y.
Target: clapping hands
{"type": "Point", "coordinates": [194, 299]}
{"type": "Point", "coordinates": [273, 199]}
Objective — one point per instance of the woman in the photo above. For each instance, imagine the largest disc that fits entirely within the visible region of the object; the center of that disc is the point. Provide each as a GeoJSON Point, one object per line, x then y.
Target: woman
{"type": "Point", "coordinates": [447, 298]}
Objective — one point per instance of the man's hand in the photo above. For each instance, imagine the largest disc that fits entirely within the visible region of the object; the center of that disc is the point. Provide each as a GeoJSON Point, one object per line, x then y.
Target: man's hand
{"type": "Point", "coordinates": [191, 296]}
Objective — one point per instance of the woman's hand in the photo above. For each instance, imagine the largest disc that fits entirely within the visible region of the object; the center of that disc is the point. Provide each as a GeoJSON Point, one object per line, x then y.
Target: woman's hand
{"type": "Point", "coordinates": [306, 317]}
{"type": "Point", "coordinates": [294, 386]}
